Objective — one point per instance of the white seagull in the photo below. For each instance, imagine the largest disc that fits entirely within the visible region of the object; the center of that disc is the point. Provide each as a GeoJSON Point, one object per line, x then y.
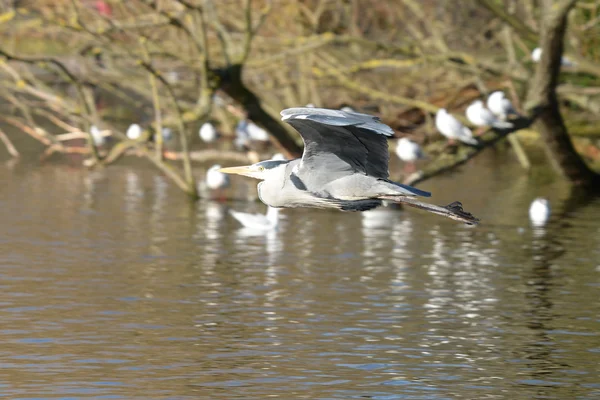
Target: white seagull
{"type": "Point", "coordinates": [539, 211]}
{"type": "Point", "coordinates": [480, 116]}
{"type": "Point", "coordinates": [256, 132]}
{"type": "Point", "coordinates": [208, 132]}
{"type": "Point", "coordinates": [500, 105]}
{"type": "Point", "coordinates": [97, 136]}
{"type": "Point", "coordinates": [247, 131]}
{"type": "Point", "coordinates": [263, 222]}
{"type": "Point", "coordinates": [536, 56]}
{"type": "Point", "coordinates": [451, 128]}
{"type": "Point", "coordinates": [134, 132]}
{"type": "Point", "coordinates": [409, 152]}
{"type": "Point", "coordinates": [216, 180]}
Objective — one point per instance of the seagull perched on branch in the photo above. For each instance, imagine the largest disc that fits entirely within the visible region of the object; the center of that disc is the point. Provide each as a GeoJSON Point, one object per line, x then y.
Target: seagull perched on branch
{"type": "Point", "coordinates": [247, 131]}
{"type": "Point", "coordinates": [208, 132]}
{"type": "Point", "coordinates": [134, 132]}
{"type": "Point", "coordinates": [409, 152]}
{"type": "Point", "coordinates": [500, 105]}
{"type": "Point", "coordinates": [480, 116]}
{"type": "Point", "coordinates": [452, 128]}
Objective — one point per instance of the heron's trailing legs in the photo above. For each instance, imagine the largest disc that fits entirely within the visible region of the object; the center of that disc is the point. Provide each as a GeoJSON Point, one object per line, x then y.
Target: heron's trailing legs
{"type": "Point", "coordinates": [453, 210]}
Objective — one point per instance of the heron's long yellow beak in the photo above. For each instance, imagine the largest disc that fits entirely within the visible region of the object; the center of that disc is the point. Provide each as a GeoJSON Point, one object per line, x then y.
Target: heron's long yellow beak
{"type": "Point", "coordinates": [244, 170]}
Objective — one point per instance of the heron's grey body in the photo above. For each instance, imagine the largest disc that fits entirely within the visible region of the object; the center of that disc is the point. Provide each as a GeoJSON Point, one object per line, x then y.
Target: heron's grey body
{"type": "Point", "coordinates": [344, 166]}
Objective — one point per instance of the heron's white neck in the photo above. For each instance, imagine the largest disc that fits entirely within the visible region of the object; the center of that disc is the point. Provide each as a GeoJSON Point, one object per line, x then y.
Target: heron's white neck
{"type": "Point", "coordinates": [270, 189]}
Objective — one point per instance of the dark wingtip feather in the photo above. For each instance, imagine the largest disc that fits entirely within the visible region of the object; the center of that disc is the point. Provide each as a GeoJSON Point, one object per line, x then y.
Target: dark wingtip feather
{"type": "Point", "coordinates": [453, 211]}
{"type": "Point", "coordinates": [456, 208]}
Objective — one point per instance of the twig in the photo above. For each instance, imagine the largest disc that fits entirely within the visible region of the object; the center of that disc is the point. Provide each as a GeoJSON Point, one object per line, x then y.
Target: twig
{"type": "Point", "coordinates": [515, 22]}
{"type": "Point", "coordinates": [10, 147]}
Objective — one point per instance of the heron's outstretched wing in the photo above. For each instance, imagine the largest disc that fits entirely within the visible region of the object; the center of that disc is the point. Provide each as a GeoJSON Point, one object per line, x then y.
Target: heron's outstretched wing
{"type": "Point", "coordinates": [339, 143]}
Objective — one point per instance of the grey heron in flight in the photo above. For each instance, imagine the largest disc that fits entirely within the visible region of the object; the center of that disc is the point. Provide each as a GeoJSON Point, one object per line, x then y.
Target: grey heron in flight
{"type": "Point", "coordinates": [344, 166]}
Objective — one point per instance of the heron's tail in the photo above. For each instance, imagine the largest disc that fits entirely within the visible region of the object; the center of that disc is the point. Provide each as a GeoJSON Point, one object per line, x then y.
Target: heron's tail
{"type": "Point", "coordinates": [453, 210]}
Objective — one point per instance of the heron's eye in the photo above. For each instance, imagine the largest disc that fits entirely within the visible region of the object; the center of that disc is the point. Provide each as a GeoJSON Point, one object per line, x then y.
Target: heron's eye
{"type": "Point", "coordinates": [261, 169]}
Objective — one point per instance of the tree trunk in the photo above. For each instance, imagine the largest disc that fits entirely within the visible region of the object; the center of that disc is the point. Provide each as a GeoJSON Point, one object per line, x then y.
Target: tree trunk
{"type": "Point", "coordinates": [542, 100]}
{"type": "Point", "coordinates": [232, 84]}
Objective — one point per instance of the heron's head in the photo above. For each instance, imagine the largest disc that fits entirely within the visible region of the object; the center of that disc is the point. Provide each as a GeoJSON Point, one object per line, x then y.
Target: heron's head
{"type": "Point", "coordinates": [262, 170]}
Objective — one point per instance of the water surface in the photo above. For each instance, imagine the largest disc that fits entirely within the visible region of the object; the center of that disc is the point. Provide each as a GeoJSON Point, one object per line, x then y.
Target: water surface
{"type": "Point", "coordinates": [114, 285]}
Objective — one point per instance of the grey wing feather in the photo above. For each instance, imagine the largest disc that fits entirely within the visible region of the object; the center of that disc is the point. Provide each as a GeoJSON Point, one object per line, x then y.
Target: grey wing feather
{"type": "Point", "coordinates": [339, 143]}
{"type": "Point", "coordinates": [327, 157]}
{"type": "Point", "coordinates": [338, 118]}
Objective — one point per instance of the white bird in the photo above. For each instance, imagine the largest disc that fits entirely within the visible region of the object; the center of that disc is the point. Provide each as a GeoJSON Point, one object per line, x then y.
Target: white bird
{"type": "Point", "coordinates": [539, 211]}
{"type": "Point", "coordinates": [256, 132]}
{"type": "Point", "coordinates": [451, 128]}
{"type": "Point", "coordinates": [347, 109]}
{"type": "Point", "coordinates": [408, 151]}
{"type": "Point", "coordinates": [97, 136]}
{"type": "Point", "coordinates": [246, 131]}
{"type": "Point", "coordinates": [134, 132]}
{"type": "Point", "coordinates": [278, 157]}
{"type": "Point", "coordinates": [208, 132]}
{"type": "Point", "coordinates": [500, 105]}
{"type": "Point", "coordinates": [263, 222]}
{"type": "Point", "coordinates": [478, 115]}
{"type": "Point", "coordinates": [215, 179]}
{"type": "Point", "coordinates": [536, 56]}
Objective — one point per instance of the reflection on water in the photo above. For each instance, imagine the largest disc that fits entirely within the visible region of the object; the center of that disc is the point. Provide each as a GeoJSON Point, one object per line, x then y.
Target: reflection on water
{"type": "Point", "coordinates": [116, 286]}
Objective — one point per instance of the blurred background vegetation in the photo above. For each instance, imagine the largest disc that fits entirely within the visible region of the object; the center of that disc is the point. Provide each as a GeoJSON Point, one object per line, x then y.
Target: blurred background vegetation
{"type": "Point", "coordinates": [69, 64]}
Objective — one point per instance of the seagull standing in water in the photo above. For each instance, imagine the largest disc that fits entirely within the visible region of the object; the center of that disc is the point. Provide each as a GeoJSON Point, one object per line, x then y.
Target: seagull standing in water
{"type": "Point", "coordinates": [262, 222]}
{"type": "Point", "coordinates": [539, 212]}
{"type": "Point", "coordinates": [481, 117]}
{"type": "Point", "coordinates": [452, 128]}
{"type": "Point", "coordinates": [500, 105]}
{"type": "Point", "coordinates": [409, 152]}
{"type": "Point", "coordinates": [208, 132]}
{"type": "Point", "coordinates": [344, 166]}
